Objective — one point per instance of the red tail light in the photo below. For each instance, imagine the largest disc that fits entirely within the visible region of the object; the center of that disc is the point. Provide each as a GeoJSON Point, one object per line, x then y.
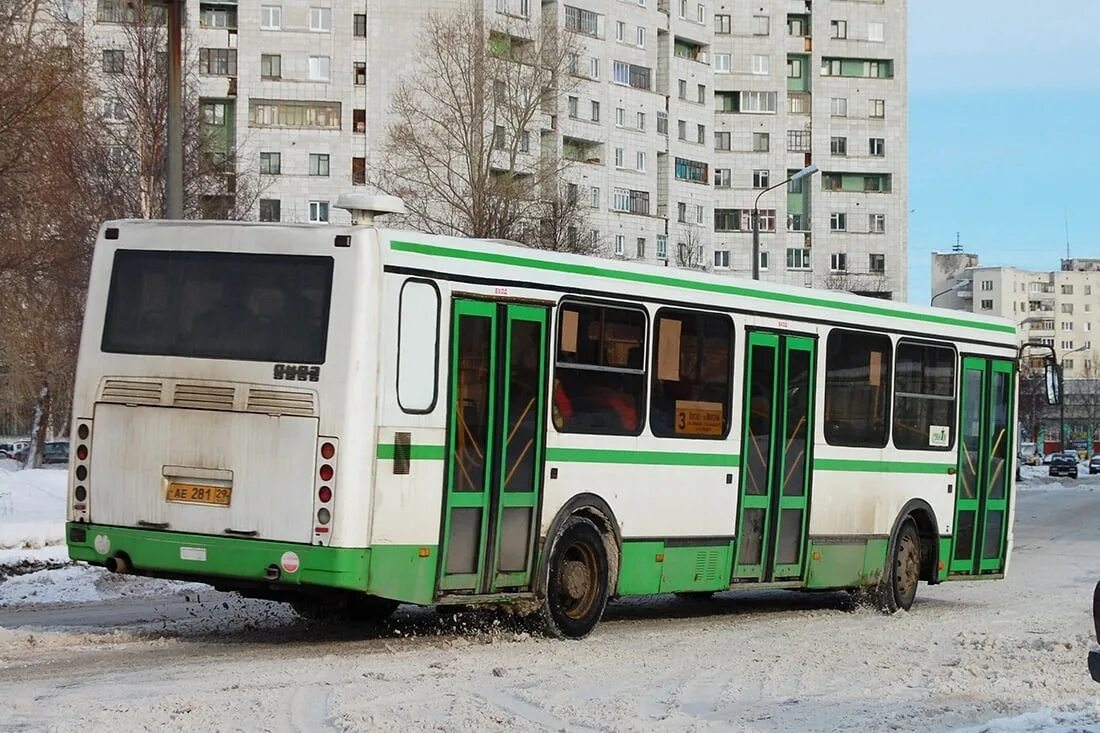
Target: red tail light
{"type": "Point", "coordinates": [328, 450]}
{"type": "Point", "coordinates": [325, 494]}
{"type": "Point", "coordinates": [326, 472]}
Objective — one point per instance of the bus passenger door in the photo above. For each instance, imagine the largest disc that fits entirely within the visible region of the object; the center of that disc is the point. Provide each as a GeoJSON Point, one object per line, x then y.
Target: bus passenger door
{"type": "Point", "coordinates": [775, 457]}
{"type": "Point", "coordinates": [986, 443]}
{"type": "Point", "coordinates": [496, 431]}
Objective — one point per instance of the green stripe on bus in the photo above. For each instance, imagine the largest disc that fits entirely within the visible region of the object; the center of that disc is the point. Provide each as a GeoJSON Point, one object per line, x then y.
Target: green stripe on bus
{"type": "Point", "coordinates": [642, 277]}
{"type": "Point", "coordinates": [416, 452]}
{"type": "Point", "coordinates": [641, 457]}
{"type": "Point", "coordinates": [845, 464]}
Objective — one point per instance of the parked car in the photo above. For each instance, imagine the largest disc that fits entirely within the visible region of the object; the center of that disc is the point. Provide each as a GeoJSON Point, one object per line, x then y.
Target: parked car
{"type": "Point", "coordinates": [7, 450]}
{"type": "Point", "coordinates": [57, 451]}
{"type": "Point", "coordinates": [1064, 464]}
{"type": "Point", "coordinates": [13, 449]}
{"type": "Point", "coordinates": [1094, 464]}
{"type": "Point", "coordinates": [1029, 454]}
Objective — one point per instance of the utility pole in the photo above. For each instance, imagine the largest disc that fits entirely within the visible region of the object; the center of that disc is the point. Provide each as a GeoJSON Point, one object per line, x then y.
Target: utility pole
{"type": "Point", "coordinates": [173, 185]}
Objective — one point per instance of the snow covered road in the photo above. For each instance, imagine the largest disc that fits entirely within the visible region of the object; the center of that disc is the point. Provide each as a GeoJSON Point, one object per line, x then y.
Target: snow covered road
{"type": "Point", "coordinates": [999, 656]}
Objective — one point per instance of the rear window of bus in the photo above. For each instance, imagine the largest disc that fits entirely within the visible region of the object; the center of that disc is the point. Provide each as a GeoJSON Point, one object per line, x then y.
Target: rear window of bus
{"type": "Point", "coordinates": [219, 305]}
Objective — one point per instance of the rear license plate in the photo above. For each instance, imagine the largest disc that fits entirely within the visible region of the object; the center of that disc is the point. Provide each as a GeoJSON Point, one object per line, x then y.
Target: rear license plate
{"type": "Point", "coordinates": [199, 494]}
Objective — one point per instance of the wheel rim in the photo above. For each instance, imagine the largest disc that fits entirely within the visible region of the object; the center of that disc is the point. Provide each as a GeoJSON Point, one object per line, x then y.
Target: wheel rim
{"type": "Point", "coordinates": [908, 566]}
{"type": "Point", "coordinates": [578, 586]}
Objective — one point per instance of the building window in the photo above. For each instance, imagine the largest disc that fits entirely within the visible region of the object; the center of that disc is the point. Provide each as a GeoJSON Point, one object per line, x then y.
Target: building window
{"type": "Point", "coordinates": [721, 259]}
{"type": "Point", "coordinates": [641, 37]}
{"type": "Point", "coordinates": [838, 221]}
{"type": "Point", "coordinates": [641, 248]}
{"type": "Point", "coordinates": [691, 170]}
{"type": "Point", "coordinates": [798, 141]}
{"type": "Point", "coordinates": [639, 162]}
{"type": "Point", "coordinates": [662, 246]}
{"type": "Point", "coordinates": [794, 67]}
{"type": "Point", "coordinates": [681, 212]}
{"type": "Point", "coordinates": [359, 22]}
{"type": "Point", "coordinates": [682, 88]}
{"type": "Point", "coordinates": [838, 28]}
{"type": "Point", "coordinates": [1067, 345]}
{"type": "Point", "coordinates": [320, 68]}
{"type": "Point", "coordinates": [620, 154]}
{"type": "Point", "coordinates": [838, 262]}
{"type": "Point", "coordinates": [114, 62]}
{"type": "Point", "coordinates": [359, 171]}
{"type": "Point", "coordinates": [761, 142]}
{"type": "Point", "coordinates": [876, 223]}
{"type": "Point", "coordinates": [1067, 289]}
{"type": "Point", "coordinates": [838, 106]}
{"type": "Point", "coordinates": [924, 397]}
{"type": "Point", "coordinates": [758, 102]}
{"type": "Point", "coordinates": [877, 263]}
{"type": "Point", "coordinates": [318, 211]}
{"type": "Point", "coordinates": [838, 146]}
{"type": "Point", "coordinates": [270, 210]}
{"type": "Point", "coordinates": [594, 68]}
{"type": "Point", "coordinates": [761, 25]}
{"type": "Point", "coordinates": [360, 73]}
{"type": "Point", "coordinates": [582, 21]}
{"type": "Point", "coordinates": [878, 108]}
{"type": "Point", "coordinates": [218, 61]}
{"type": "Point", "coordinates": [761, 64]}
{"type": "Point", "coordinates": [271, 163]}
{"type": "Point", "coordinates": [320, 20]}
{"type": "Point", "coordinates": [217, 17]}
{"type": "Point", "coordinates": [701, 94]}
{"type": "Point", "coordinates": [987, 285]}
{"type": "Point", "coordinates": [572, 105]}
{"type": "Point", "coordinates": [721, 142]}
{"type": "Point", "coordinates": [877, 147]}
{"type": "Point", "coordinates": [1067, 308]}
{"type": "Point", "coordinates": [271, 17]}
{"type": "Point", "coordinates": [318, 164]}
{"type": "Point", "coordinates": [761, 179]}
{"type": "Point", "coordinates": [271, 66]}
{"type": "Point", "coordinates": [722, 24]}
{"type": "Point", "coordinates": [662, 123]}
{"type": "Point", "coordinates": [798, 258]}
{"type": "Point", "coordinates": [721, 63]}
{"type": "Point", "coordinates": [987, 305]}
{"type": "Point", "coordinates": [620, 245]}
{"type": "Point", "coordinates": [722, 177]}
{"type": "Point", "coordinates": [359, 120]}
{"type": "Point", "coordinates": [876, 32]}
{"type": "Point", "coordinates": [857, 389]}
{"type": "Point", "coordinates": [1066, 325]}
{"type": "Point", "coordinates": [595, 111]}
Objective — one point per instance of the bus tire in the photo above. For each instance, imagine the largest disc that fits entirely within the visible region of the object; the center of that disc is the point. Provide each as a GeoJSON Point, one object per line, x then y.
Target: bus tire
{"type": "Point", "coordinates": [898, 586]}
{"type": "Point", "coordinates": [577, 582]}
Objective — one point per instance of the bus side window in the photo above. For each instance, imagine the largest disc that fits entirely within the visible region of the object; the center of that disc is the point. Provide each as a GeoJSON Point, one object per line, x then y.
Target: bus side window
{"type": "Point", "coordinates": [692, 363]}
{"type": "Point", "coordinates": [857, 388]}
{"type": "Point", "coordinates": [418, 346]}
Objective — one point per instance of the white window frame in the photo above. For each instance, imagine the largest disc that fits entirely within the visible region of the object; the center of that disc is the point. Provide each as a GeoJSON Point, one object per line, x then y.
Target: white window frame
{"type": "Point", "coordinates": [838, 221]}
{"type": "Point", "coordinates": [838, 106]}
{"type": "Point", "coordinates": [316, 209]}
{"type": "Point", "coordinates": [320, 68]}
{"type": "Point", "coordinates": [761, 64]}
{"type": "Point", "coordinates": [271, 17]}
{"type": "Point", "coordinates": [320, 19]}
{"type": "Point", "coordinates": [876, 32]}
{"type": "Point", "coordinates": [722, 63]}
{"type": "Point", "coordinates": [721, 259]}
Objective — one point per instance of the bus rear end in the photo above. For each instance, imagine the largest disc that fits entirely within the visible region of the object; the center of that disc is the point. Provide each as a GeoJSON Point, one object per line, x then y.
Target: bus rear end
{"type": "Point", "coordinates": [210, 407]}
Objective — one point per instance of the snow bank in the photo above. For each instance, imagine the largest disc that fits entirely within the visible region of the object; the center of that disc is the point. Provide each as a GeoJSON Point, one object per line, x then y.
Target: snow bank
{"type": "Point", "coordinates": [32, 507]}
{"type": "Point", "coordinates": [1071, 719]}
{"type": "Point", "coordinates": [82, 584]}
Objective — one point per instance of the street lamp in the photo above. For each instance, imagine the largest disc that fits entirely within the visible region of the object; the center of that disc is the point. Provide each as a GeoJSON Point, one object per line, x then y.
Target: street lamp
{"type": "Point", "coordinates": [951, 289]}
{"type": "Point", "coordinates": [807, 171]}
{"type": "Point", "coordinates": [173, 189]}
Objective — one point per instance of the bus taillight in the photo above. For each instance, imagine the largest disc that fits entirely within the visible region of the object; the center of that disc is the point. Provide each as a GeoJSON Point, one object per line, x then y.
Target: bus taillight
{"type": "Point", "coordinates": [80, 470]}
{"type": "Point", "coordinates": [324, 490]}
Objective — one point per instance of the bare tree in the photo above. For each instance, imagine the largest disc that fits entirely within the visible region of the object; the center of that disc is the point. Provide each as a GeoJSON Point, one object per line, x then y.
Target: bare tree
{"type": "Point", "coordinates": [689, 248]}
{"type": "Point", "coordinates": [1031, 404]}
{"type": "Point", "coordinates": [129, 163]}
{"type": "Point", "coordinates": [562, 222]}
{"type": "Point", "coordinates": [464, 148]}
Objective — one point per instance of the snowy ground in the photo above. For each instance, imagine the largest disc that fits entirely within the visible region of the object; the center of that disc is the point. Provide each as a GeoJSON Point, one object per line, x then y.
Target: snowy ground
{"type": "Point", "coordinates": [124, 654]}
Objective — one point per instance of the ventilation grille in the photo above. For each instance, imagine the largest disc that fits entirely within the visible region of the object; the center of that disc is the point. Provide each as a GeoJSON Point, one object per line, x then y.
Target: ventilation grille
{"type": "Point", "coordinates": [706, 565]}
{"type": "Point", "coordinates": [278, 402]}
{"type": "Point", "coordinates": [402, 453]}
{"type": "Point", "coordinates": [204, 396]}
{"type": "Point", "coordinates": [131, 392]}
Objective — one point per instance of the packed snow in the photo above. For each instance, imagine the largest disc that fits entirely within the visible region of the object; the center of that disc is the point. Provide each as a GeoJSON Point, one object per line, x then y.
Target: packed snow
{"type": "Point", "coordinates": [126, 653]}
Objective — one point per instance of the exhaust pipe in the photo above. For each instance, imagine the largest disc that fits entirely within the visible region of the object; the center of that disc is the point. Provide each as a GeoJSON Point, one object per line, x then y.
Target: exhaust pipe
{"type": "Point", "coordinates": [119, 564]}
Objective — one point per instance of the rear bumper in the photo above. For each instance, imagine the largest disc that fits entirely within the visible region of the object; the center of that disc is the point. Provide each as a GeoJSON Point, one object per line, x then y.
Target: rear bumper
{"type": "Point", "coordinates": [208, 558]}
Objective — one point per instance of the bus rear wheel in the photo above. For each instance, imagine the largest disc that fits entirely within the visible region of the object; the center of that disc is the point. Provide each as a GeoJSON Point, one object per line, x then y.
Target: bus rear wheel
{"type": "Point", "coordinates": [577, 583]}
{"type": "Point", "coordinates": [898, 587]}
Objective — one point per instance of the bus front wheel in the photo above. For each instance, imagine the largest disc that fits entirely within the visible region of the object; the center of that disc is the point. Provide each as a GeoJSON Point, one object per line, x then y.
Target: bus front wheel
{"type": "Point", "coordinates": [577, 583]}
{"type": "Point", "coordinates": [898, 587]}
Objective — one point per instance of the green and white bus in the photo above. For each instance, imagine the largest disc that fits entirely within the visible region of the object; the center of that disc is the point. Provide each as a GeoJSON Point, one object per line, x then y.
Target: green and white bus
{"type": "Point", "coordinates": [349, 418]}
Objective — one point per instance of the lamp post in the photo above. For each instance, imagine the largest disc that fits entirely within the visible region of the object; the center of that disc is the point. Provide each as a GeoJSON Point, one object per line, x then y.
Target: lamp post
{"type": "Point", "coordinates": [173, 185]}
{"type": "Point", "coordinates": [807, 171]}
{"type": "Point", "coordinates": [951, 289]}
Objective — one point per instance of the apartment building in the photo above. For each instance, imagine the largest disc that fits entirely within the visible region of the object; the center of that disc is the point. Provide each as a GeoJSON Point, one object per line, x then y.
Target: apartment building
{"type": "Point", "coordinates": [679, 114]}
{"type": "Point", "coordinates": [1059, 308]}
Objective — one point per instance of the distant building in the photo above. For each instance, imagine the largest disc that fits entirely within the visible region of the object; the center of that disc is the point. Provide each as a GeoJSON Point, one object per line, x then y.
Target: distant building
{"type": "Point", "coordinates": [682, 113]}
{"type": "Point", "coordinates": [1060, 308]}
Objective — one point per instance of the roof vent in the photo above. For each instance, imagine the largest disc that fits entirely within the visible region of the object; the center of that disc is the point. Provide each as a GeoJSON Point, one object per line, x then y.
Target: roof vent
{"type": "Point", "coordinates": [363, 207]}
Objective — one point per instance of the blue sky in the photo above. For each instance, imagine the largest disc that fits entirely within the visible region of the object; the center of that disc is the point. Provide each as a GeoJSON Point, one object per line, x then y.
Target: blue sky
{"type": "Point", "coordinates": [1004, 132]}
